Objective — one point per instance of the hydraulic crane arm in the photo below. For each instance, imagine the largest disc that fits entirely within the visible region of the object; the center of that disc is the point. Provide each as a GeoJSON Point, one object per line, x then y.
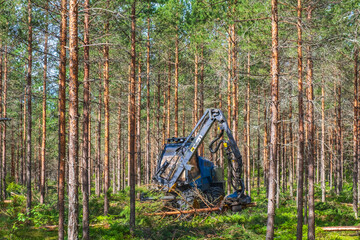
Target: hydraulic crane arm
{"type": "Point", "coordinates": [186, 151]}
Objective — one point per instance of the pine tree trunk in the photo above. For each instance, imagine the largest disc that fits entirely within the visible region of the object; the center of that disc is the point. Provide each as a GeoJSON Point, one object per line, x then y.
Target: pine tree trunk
{"type": "Point", "coordinates": [248, 180]}
{"type": "Point", "coordinates": [62, 121]}
{"type": "Point", "coordinates": [148, 170]}
{"type": "Point", "coordinates": [356, 141]}
{"type": "Point", "coordinates": [24, 139]}
{"type": "Point", "coordinates": [229, 77]}
{"type": "Point", "coordinates": [98, 148]}
{"type": "Point", "coordinates": [4, 110]}
{"type": "Point", "coordinates": [86, 129]}
{"type": "Point", "coordinates": [1, 125]}
{"type": "Point", "coordinates": [43, 140]}
{"type": "Point", "coordinates": [176, 84]}
{"type": "Point", "coordinates": [196, 89]}
{"type": "Point", "coordinates": [300, 160]}
{"type": "Point", "coordinates": [168, 103]}
{"type": "Point", "coordinates": [21, 147]}
{"type": "Point", "coordinates": [258, 146]}
{"type": "Point", "coordinates": [311, 135]}
{"type": "Point", "coordinates": [274, 118]}
{"type": "Point", "coordinates": [73, 121]}
{"type": "Point", "coordinates": [201, 93]}
{"type": "Point", "coordinates": [107, 119]}
{"type": "Point", "coordinates": [132, 113]}
{"type": "Point", "coordinates": [338, 141]}
{"type": "Point", "coordinates": [13, 159]}
{"type": "Point", "coordinates": [29, 113]}
{"type": "Point", "coordinates": [119, 166]}
{"type": "Point", "coordinates": [265, 160]}
{"type": "Point", "coordinates": [138, 124]}
{"type": "Point", "coordinates": [291, 159]}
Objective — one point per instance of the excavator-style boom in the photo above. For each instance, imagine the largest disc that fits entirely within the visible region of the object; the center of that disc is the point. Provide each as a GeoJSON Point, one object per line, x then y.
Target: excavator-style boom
{"type": "Point", "coordinates": [179, 166]}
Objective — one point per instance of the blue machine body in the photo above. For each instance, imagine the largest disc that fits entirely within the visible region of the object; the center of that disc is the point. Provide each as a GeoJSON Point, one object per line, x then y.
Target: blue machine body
{"type": "Point", "coordinates": [206, 174]}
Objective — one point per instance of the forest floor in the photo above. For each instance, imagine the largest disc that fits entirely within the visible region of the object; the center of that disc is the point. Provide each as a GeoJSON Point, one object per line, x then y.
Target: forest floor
{"type": "Point", "coordinates": [248, 224]}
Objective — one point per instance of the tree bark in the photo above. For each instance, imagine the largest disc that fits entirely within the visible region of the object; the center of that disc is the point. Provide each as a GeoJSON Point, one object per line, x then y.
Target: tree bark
{"type": "Point", "coordinates": [29, 113]}
{"type": "Point", "coordinates": [229, 77]}
{"type": "Point", "coordinates": [132, 117]}
{"type": "Point", "coordinates": [86, 126]}
{"type": "Point", "coordinates": [338, 141]}
{"type": "Point", "coordinates": [62, 121]}
{"type": "Point", "coordinates": [98, 147]}
{"type": "Point", "coordinates": [258, 146]}
{"type": "Point", "coordinates": [201, 93]}
{"type": "Point", "coordinates": [107, 119]}
{"type": "Point", "coordinates": [23, 167]}
{"type": "Point", "coordinates": [248, 180]}
{"type": "Point", "coordinates": [119, 166]}
{"type": "Point", "coordinates": [176, 84]}
{"type": "Point", "coordinates": [148, 170]}
{"type": "Point", "coordinates": [311, 135]}
{"type": "Point", "coordinates": [4, 110]}
{"type": "Point", "coordinates": [274, 116]}
{"type": "Point", "coordinates": [291, 160]}
{"type": "Point", "coordinates": [1, 125]}
{"type": "Point", "coordinates": [168, 99]}
{"type": "Point", "coordinates": [265, 143]}
{"type": "Point", "coordinates": [356, 141]}
{"type": "Point", "coordinates": [138, 123]}
{"type": "Point", "coordinates": [43, 140]}
{"type": "Point", "coordinates": [196, 89]}
{"type": "Point", "coordinates": [300, 174]}
{"type": "Point", "coordinates": [73, 121]}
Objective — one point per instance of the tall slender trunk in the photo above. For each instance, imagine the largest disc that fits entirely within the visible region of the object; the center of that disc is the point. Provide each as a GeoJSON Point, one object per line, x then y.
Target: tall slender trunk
{"type": "Point", "coordinates": [138, 124]}
{"type": "Point", "coordinates": [311, 135]}
{"type": "Point", "coordinates": [91, 161]}
{"type": "Point", "coordinates": [86, 121]}
{"type": "Point", "coordinates": [274, 116]}
{"type": "Point", "coordinates": [13, 159]}
{"type": "Point", "coordinates": [291, 159]}
{"type": "Point", "coordinates": [322, 161]}
{"type": "Point", "coordinates": [23, 167]}
{"type": "Point", "coordinates": [119, 166]}
{"type": "Point", "coordinates": [107, 119]}
{"type": "Point", "coordinates": [338, 141]}
{"type": "Point", "coordinates": [235, 101]}
{"type": "Point", "coordinates": [229, 77]}
{"type": "Point", "coordinates": [248, 180]}
{"type": "Point", "coordinates": [356, 140]}
{"type": "Point", "coordinates": [176, 84]}
{"type": "Point", "coordinates": [73, 121]}
{"type": "Point", "coordinates": [196, 117]}
{"type": "Point", "coordinates": [265, 152]}
{"type": "Point", "coordinates": [4, 110]}
{"type": "Point", "coordinates": [201, 93]}
{"type": "Point", "coordinates": [132, 111]}
{"type": "Point", "coordinates": [21, 147]}
{"type": "Point", "coordinates": [331, 158]}
{"type": "Point", "coordinates": [43, 140]}
{"type": "Point", "coordinates": [164, 119]}
{"type": "Point", "coordinates": [168, 99]}
{"type": "Point", "coordinates": [62, 121]}
{"type": "Point", "coordinates": [98, 148]}
{"type": "Point", "coordinates": [258, 146]}
{"type": "Point", "coordinates": [148, 170]}
{"type": "Point", "coordinates": [300, 166]}
{"type": "Point", "coordinates": [1, 125]}
{"type": "Point", "coordinates": [29, 113]}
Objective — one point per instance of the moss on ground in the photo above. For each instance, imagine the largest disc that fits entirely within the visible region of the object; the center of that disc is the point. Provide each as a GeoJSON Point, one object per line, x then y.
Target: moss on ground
{"type": "Point", "coordinates": [249, 224]}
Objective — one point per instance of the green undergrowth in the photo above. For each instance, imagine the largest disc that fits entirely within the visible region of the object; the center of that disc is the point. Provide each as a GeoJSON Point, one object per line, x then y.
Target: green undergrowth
{"type": "Point", "coordinates": [248, 224]}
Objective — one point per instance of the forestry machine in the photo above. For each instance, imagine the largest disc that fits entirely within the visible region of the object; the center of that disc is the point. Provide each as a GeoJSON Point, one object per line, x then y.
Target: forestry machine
{"type": "Point", "coordinates": [190, 179]}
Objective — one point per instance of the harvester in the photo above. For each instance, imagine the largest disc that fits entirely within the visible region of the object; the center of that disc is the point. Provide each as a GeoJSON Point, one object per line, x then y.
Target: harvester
{"type": "Point", "coordinates": [190, 179]}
